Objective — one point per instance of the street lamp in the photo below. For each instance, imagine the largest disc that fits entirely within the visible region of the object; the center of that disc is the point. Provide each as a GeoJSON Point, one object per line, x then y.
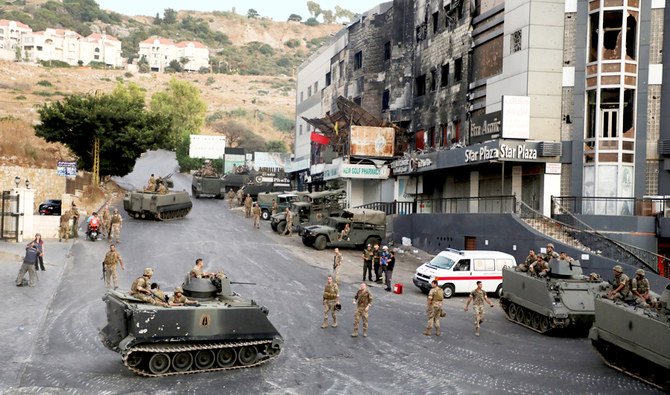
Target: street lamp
{"type": "Point", "coordinates": [17, 180]}
{"type": "Point", "coordinates": [27, 184]}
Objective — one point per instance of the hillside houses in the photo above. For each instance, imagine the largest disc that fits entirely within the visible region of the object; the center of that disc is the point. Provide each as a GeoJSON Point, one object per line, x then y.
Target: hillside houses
{"type": "Point", "coordinates": [19, 42]}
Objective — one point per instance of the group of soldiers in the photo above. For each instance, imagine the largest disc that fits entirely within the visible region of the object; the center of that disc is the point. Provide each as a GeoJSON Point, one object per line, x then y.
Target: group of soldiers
{"type": "Point", "coordinates": [156, 185]}
{"type": "Point", "coordinates": [382, 260]}
{"type": "Point", "coordinates": [331, 305]}
{"type": "Point", "coordinates": [111, 224]}
{"type": "Point", "coordinates": [538, 264]}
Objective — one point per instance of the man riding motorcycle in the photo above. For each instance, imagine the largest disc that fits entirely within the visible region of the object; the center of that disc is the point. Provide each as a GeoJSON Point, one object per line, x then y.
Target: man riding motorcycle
{"type": "Point", "coordinates": [93, 226]}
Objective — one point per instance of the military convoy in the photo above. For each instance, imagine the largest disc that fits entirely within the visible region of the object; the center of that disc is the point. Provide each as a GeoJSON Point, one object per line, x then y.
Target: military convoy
{"type": "Point", "coordinates": [209, 186]}
{"type": "Point", "coordinates": [562, 300]}
{"type": "Point", "coordinates": [251, 182]}
{"type": "Point", "coordinates": [365, 227]}
{"type": "Point", "coordinates": [224, 332]}
{"type": "Point", "coordinates": [314, 209]}
{"type": "Point", "coordinates": [154, 205]}
{"type": "Point", "coordinates": [283, 201]}
{"type": "Point", "coordinates": [634, 340]}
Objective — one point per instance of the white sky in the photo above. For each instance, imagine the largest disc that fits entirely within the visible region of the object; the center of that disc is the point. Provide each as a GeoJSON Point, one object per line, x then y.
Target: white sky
{"type": "Point", "coordinates": [277, 10]}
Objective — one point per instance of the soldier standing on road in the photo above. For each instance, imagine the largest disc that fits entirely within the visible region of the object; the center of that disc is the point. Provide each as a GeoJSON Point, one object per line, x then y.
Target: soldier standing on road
{"type": "Point", "coordinates": [478, 295]}
{"type": "Point", "coordinates": [64, 229]}
{"type": "Point", "coordinates": [434, 309]}
{"type": "Point", "coordinates": [74, 213]}
{"type": "Point", "coordinates": [389, 270]}
{"type": "Point", "coordinates": [106, 221]}
{"type": "Point", "coordinates": [115, 222]}
{"type": "Point", "coordinates": [363, 301]}
{"type": "Point", "coordinates": [376, 257]}
{"type": "Point", "coordinates": [240, 197]}
{"type": "Point", "coordinates": [621, 285]}
{"type": "Point", "coordinates": [331, 297]}
{"type": "Point", "coordinates": [141, 289]}
{"type": "Point", "coordinates": [367, 262]}
{"type": "Point", "coordinates": [112, 259]}
{"type": "Point", "coordinates": [231, 198]}
{"type": "Point", "coordinates": [274, 207]}
{"type": "Point", "coordinates": [337, 262]}
{"type": "Point", "coordinates": [289, 222]}
{"type": "Point", "coordinates": [28, 265]}
{"type": "Point", "coordinates": [256, 211]}
{"type": "Point", "coordinates": [247, 206]}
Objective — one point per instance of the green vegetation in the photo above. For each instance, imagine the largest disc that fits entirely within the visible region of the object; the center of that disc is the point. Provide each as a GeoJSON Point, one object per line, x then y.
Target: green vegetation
{"type": "Point", "coordinates": [53, 63]}
{"type": "Point", "coordinates": [312, 22]}
{"type": "Point", "coordinates": [292, 43]}
{"type": "Point", "coordinates": [44, 83]}
{"type": "Point", "coordinates": [20, 97]}
{"type": "Point", "coordinates": [210, 81]}
{"type": "Point", "coordinates": [276, 146]}
{"type": "Point", "coordinates": [283, 123]}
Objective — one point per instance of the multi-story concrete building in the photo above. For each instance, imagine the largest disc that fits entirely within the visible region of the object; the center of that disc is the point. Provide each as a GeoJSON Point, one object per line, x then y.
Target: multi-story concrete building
{"type": "Point", "coordinates": [72, 48]}
{"type": "Point", "coordinates": [11, 36]}
{"type": "Point", "coordinates": [159, 52]}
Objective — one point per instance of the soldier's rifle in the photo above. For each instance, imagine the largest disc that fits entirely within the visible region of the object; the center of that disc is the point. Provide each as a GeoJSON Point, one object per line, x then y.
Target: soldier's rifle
{"type": "Point", "coordinates": [242, 283]}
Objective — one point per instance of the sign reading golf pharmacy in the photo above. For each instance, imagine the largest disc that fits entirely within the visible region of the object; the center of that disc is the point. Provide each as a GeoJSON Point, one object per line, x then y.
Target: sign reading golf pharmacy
{"type": "Point", "coordinates": [346, 170]}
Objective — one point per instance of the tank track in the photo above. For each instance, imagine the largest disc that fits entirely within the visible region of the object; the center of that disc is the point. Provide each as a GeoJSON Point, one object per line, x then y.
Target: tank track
{"type": "Point", "coordinates": [173, 214]}
{"type": "Point", "coordinates": [265, 353]}
{"type": "Point", "coordinates": [530, 319]}
{"type": "Point", "coordinates": [612, 356]}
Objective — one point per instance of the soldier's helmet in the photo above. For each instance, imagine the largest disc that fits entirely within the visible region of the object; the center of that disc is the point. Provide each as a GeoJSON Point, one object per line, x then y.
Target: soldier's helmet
{"type": "Point", "coordinates": [550, 246]}
{"type": "Point", "coordinates": [618, 269]}
{"type": "Point", "coordinates": [148, 272]}
{"type": "Point", "coordinates": [640, 272]}
{"type": "Point", "coordinates": [179, 290]}
{"type": "Point", "coordinates": [116, 210]}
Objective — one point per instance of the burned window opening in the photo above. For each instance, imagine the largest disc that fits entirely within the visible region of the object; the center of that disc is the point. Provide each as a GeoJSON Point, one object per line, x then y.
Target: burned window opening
{"type": "Point", "coordinates": [612, 40]}
{"type": "Point", "coordinates": [436, 18]}
{"type": "Point", "coordinates": [328, 79]}
{"type": "Point", "coordinates": [458, 66]}
{"type": "Point", "coordinates": [387, 50]}
{"type": "Point", "coordinates": [444, 77]}
{"type": "Point", "coordinates": [594, 21]}
{"type": "Point", "coordinates": [591, 115]}
{"type": "Point", "coordinates": [631, 36]}
{"type": "Point", "coordinates": [386, 98]}
{"type": "Point", "coordinates": [420, 83]}
{"type": "Point", "coordinates": [433, 80]}
{"type": "Point", "coordinates": [629, 113]}
{"type": "Point", "coordinates": [358, 60]}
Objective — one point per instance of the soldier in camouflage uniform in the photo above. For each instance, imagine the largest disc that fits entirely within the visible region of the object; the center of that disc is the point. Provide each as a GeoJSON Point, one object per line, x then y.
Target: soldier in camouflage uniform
{"type": "Point", "coordinates": [162, 189]}
{"type": "Point", "coordinates": [274, 207]}
{"type": "Point", "coordinates": [331, 297]}
{"type": "Point", "coordinates": [64, 229]}
{"type": "Point", "coordinates": [151, 185]}
{"type": "Point", "coordinates": [74, 214]}
{"type": "Point", "coordinates": [240, 197]}
{"type": "Point", "coordinates": [621, 289]}
{"type": "Point", "coordinates": [478, 295]}
{"type": "Point", "coordinates": [106, 221]}
{"type": "Point", "coordinates": [363, 301]}
{"type": "Point", "coordinates": [256, 213]}
{"type": "Point", "coordinates": [550, 254]}
{"type": "Point", "coordinates": [289, 222]}
{"type": "Point", "coordinates": [112, 259]}
{"type": "Point", "coordinates": [367, 262]}
{"type": "Point", "coordinates": [231, 198]}
{"type": "Point", "coordinates": [337, 263]}
{"type": "Point", "coordinates": [178, 299]}
{"type": "Point", "coordinates": [115, 225]}
{"type": "Point", "coordinates": [530, 259]}
{"type": "Point", "coordinates": [141, 289]}
{"type": "Point", "coordinates": [434, 309]}
{"type": "Point", "coordinates": [640, 288]}
{"type": "Point", "coordinates": [247, 206]}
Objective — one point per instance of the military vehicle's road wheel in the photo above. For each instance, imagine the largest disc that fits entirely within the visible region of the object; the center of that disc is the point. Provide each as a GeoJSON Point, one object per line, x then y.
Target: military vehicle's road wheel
{"type": "Point", "coordinates": [281, 227]}
{"type": "Point", "coordinates": [204, 359]}
{"type": "Point", "coordinates": [226, 357]}
{"type": "Point", "coordinates": [520, 315]}
{"type": "Point", "coordinates": [182, 361]}
{"type": "Point", "coordinates": [448, 290]}
{"type": "Point", "coordinates": [535, 320]}
{"type": "Point", "coordinates": [274, 226]}
{"type": "Point", "coordinates": [306, 242]}
{"type": "Point", "coordinates": [320, 242]}
{"type": "Point", "coordinates": [265, 214]}
{"type": "Point", "coordinates": [159, 363]}
{"type": "Point", "coordinates": [248, 355]}
{"type": "Point", "coordinates": [136, 215]}
{"type": "Point", "coordinates": [512, 311]}
{"type": "Point", "coordinates": [544, 324]}
{"type": "Point", "coordinates": [499, 291]}
{"type": "Point", "coordinates": [528, 318]}
{"type": "Point", "coordinates": [134, 360]}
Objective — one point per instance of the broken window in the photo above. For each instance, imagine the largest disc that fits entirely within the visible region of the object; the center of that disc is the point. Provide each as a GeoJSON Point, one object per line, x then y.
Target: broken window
{"type": "Point", "coordinates": [609, 113]}
{"type": "Point", "coordinates": [358, 100]}
{"type": "Point", "coordinates": [458, 65]}
{"type": "Point", "coordinates": [431, 136]}
{"type": "Point", "coordinates": [420, 83]}
{"type": "Point", "coordinates": [436, 18]}
{"type": "Point", "coordinates": [444, 75]}
{"type": "Point", "coordinates": [629, 113]}
{"type": "Point", "coordinates": [631, 35]}
{"type": "Point", "coordinates": [594, 29]}
{"type": "Point", "coordinates": [358, 60]}
{"type": "Point", "coordinates": [591, 114]}
{"type": "Point", "coordinates": [340, 69]}
{"type": "Point", "coordinates": [387, 50]}
{"type": "Point", "coordinates": [612, 40]}
{"type": "Point", "coordinates": [328, 79]}
{"type": "Point", "coordinates": [386, 98]}
{"type": "Point", "coordinates": [419, 140]}
{"type": "Point", "coordinates": [433, 80]}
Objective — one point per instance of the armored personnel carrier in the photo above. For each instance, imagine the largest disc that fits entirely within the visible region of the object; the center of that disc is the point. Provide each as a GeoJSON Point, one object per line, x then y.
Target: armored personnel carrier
{"type": "Point", "coordinates": [224, 332]}
{"type": "Point", "coordinates": [634, 340]}
{"type": "Point", "coordinates": [161, 206]}
{"type": "Point", "coordinates": [213, 186]}
{"type": "Point", "coordinates": [561, 300]}
{"type": "Point", "coordinates": [315, 208]}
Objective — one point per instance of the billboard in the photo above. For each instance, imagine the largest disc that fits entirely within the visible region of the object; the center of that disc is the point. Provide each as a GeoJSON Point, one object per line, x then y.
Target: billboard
{"type": "Point", "coordinates": [271, 160]}
{"type": "Point", "coordinates": [207, 147]}
{"type": "Point", "coordinates": [66, 169]}
{"type": "Point", "coordinates": [372, 141]}
{"type": "Point", "coordinates": [233, 160]}
{"type": "Point", "coordinates": [516, 117]}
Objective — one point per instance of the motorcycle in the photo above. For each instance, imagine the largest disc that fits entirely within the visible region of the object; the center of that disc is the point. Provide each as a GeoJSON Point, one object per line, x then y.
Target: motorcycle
{"type": "Point", "coordinates": [93, 232]}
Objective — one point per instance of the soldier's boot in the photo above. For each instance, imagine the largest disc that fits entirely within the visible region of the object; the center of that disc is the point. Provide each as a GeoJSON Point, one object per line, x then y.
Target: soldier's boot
{"type": "Point", "coordinates": [355, 334]}
{"type": "Point", "coordinates": [324, 325]}
{"type": "Point", "coordinates": [334, 323]}
{"type": "Point", "coordinates": [365, 333]}
{"type": "Point", "coordinates": [437, 332]}
{"type": "Point", "coordinates": [477, 331]}
{"type": "Point", "coordinates": [426, 332]}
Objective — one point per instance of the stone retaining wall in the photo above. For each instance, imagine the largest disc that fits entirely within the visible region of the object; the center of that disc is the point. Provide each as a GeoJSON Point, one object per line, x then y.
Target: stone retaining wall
{"type": "Point", "coordinates": [45, 182]}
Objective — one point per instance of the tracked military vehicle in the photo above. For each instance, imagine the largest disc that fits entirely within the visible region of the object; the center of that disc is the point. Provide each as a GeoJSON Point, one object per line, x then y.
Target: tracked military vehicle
{"type": "Point", "coordinates": [224, 332]}
{"type": "Point", "coordinates": [315, 208]}
{"type": "Point", "coordinates": [155, 205]}
{"type": "Point", "coordinates": [562, 300]}
{"type": "Point", "coordinates": [634, 340]}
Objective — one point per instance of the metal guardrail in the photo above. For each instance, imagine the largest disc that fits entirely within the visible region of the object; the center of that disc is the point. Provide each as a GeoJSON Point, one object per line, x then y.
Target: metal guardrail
{"type": "Point", "coordinates": [597, 242]}
{"type": "Point", "coordinates": [594, 205]}
{"type": "Point", "coordinates": [460, 205]}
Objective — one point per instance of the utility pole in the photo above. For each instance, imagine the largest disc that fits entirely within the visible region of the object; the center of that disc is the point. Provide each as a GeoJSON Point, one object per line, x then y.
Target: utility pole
{"type": "Point", "coordinates": [96, 161]}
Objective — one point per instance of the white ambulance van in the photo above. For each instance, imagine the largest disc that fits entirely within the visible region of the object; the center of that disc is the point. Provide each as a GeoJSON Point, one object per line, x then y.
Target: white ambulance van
{"type": "Point", "coordinates": [458, 271]}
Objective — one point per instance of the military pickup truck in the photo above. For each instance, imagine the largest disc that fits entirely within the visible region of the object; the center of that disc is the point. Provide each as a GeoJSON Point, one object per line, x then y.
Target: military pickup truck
{"type": "Point", "coordinates": [283, 200]}
{"type": "Point", "coordinates": [315, 208]}
{"type": "Point", "coordinates": [365, 227]}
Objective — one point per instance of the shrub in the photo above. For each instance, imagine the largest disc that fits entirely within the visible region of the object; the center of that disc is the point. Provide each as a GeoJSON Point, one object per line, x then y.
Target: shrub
{"type": "Point", "coordinates": [210, 80]}
{"type": "Point", "coordinates": [53, 63]}
{"type": "Point", "coordinates": [43, 93]}
{"type": "Point", "coordinates": [128, 74]}
{"type": "Point", "coordinates": [20, 97]}
{"type": "Point", "coordinates": [311, 22]}
{"type": "Point", "coordinates": [44, 83]}
{"type": "Point", "coordinates": [282, 122]}
{"type": "Point", "coordinates": [292, 43]}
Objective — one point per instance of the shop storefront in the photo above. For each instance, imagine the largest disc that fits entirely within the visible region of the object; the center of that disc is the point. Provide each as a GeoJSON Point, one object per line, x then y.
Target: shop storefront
{"type": "Point", "coordinates": [364, 183]}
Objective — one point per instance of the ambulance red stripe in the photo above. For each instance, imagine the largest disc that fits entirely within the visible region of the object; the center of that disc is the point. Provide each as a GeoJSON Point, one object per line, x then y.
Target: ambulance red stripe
{"type": "Point", "coordinates": [471, 278]}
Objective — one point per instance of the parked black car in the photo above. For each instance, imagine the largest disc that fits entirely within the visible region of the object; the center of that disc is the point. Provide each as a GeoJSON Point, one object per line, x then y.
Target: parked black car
{"type": "Point", "coordinates": [50, 207]}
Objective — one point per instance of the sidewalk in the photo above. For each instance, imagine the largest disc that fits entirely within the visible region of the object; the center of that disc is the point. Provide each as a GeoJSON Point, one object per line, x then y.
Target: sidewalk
{"type": "Point", "coordinates": [26, 307]}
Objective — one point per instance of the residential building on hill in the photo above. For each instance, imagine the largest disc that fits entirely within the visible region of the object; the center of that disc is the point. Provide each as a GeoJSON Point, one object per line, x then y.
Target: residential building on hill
{"type": "Point", "coordinates": [11, 36]}
{"type": "Point", "coordinates": [159, 52]}
{"type": "Point", "coordinates": [72, 48]}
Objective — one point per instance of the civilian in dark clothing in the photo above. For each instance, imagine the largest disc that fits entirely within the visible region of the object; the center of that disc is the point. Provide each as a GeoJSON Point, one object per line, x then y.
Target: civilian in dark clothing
{"type": "Point", "coordinates": [29, 262]}
{"type": "Point", "coordinates": [39, 245]}
{"type": "Point", "coordinates": [389, 269]}
{"type": "Point", "coordinates": [376, 256]}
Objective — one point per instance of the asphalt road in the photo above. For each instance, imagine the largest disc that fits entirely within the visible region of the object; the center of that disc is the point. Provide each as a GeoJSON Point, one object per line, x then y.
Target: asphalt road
{"type": "Point", "coordinates": [67, 356]}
